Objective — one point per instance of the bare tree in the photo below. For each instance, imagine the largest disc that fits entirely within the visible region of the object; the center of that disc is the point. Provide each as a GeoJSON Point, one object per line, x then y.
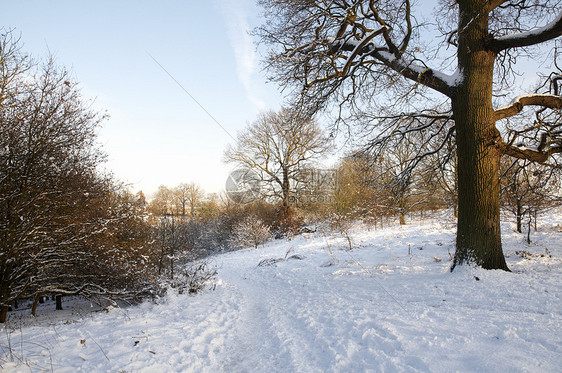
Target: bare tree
{"type": "Point", "coordinates": [276, 147]}
{"type": "Point", "coordinates": [363, 53]}
{"type": "Point", "coordinates": [443, 165]}
{"type": "Point", "coordinates": [188, 196]}
{"type": "Point", "coordinates": [408, 187]}
{"type": "Point", "coordinates": [171, 235]}
{"type": "Point", "coordinates": [110, 256]}
{"type": "Point", "coordinates": [528, 188]}
{"type": "Point", "coordinates": [162, 202]}
{"type": "Point", "coordinates": [59, 222]}
{"type": "Point", "coordinates": [351, 197]}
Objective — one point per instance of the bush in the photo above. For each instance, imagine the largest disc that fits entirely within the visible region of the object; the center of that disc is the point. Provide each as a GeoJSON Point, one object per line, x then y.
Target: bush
{"type": "Point", "coordinates": [194, 278]}
{"type": "Point", "coordinates": [251, 231]}
{"type": "Point", "coordinates": [287, 222]}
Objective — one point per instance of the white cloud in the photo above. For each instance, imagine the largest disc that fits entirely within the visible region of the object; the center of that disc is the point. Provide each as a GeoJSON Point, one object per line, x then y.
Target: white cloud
{"type": "Point", "coordinates": [234, 13]}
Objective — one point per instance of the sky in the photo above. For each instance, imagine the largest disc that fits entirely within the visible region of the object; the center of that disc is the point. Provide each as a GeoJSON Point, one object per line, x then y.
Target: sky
{"type": "Point", "coordinates": [156, 133]}
{"type": "Point", "coordinates": [131, 56]}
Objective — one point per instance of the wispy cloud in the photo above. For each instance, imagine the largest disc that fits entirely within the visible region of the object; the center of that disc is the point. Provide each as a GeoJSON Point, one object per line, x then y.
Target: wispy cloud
{"type": "Point", "coordinates": [234, 13]}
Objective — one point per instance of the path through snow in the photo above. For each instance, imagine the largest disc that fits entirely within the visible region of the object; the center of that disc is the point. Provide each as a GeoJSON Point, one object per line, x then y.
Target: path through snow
{"type": "Point", "coordinates": [376, 309]}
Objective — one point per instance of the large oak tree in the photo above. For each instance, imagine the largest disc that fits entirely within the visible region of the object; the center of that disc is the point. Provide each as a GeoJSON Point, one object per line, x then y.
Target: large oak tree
{"type": "Point", "coordinates": [353, 53]}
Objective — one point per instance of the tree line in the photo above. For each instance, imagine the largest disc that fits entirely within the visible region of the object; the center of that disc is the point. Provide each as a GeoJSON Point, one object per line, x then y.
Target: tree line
{"type": "Point", "coordinates": [372, 184]}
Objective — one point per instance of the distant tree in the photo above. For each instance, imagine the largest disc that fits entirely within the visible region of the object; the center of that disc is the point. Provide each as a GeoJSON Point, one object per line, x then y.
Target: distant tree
{"type": "Point", "coordinates": [141, 200]}
{"type": "Point", "coordinates": [370, 61]}
{"type": "Point", "coordinates": [354, 194]}
{"type": "Point", "coordinates": [162, 202]}
{"type": "Point", "coordinates": [211, 207]}
{"type": "Point", "coordinates": [171, 235]}
{"type": "Point", "coordinates": [443, 167]}
{"type": "Point", "coordinates": [276, 147]}
{"type": "Point", "coordinates": [528, 188]}
{"type": "Point", "coordinates": [188, 196]}
{"type": "Point", "coordinates": [407, 188]}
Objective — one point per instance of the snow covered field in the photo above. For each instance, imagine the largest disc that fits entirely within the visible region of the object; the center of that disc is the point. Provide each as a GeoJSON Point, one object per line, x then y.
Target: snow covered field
{"type": "Point", "coordinates": [390, 305]}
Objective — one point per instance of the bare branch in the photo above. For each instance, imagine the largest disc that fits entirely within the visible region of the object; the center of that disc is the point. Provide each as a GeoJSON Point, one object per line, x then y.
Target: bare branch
{"type": "Point", "coordinates": [531, 154]}
{"type": "Point", "coordinates": [544, 100]}
{"type": "Point", "coordinates": [493, 4]}
{"type": "Point", "coordinates": [409, 69]}
{"type": "Point", "coordinates": [523, 39]}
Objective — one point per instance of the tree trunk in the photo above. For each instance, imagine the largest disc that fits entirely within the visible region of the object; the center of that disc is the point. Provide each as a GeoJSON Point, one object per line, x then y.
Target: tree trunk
{"type": "Point", "coordinates": [518, 215]}
{"type": "Point", "coordinates": [163, 248]}
{"type": "Point", "coordinates": [402, 205]}
{"type": "Point", "coordinates": [58, 302]}
{"type": "Point", "coordinates": [285, 187]}
{"type": "Point", "coordinates": [3, 314]}
{"type": "Point", "coordinates": [4, 297]}
{"type": "Point", "coordinates": [172, 266]}
{"type": "Point", "coordinates": [478, 230]}
{"type": "Point", "coordinates": [36, 302]}
{"type": "Point", "coordinates": [529, 229]}
{"type": "Point", "coordinates": [161, 261]}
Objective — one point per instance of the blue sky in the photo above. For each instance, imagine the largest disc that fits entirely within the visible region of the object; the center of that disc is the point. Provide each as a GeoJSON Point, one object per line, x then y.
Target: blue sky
{"type": "Point", "coordinates": [156, 134]}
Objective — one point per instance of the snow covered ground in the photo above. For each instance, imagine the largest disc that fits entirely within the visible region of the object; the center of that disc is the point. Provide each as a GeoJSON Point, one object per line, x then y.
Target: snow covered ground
{"type": "Point", "coordinates": [390, 305]}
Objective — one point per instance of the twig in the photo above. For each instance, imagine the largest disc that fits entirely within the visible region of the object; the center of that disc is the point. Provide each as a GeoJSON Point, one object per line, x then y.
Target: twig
{"type": "Point", "coordinates": [101, 349]}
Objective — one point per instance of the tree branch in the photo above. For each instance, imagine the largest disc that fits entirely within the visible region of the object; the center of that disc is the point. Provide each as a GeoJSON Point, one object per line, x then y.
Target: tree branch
{"type": "Point", "coordinates": [429, 77]}
{"type": "Point", "coordinates": [493, 4]}
{"type": "Point", "coordinates": [422, 74]}
{"type": "Point", "coordinates": [524, 39]}
{"type": "Point", "coordinates": [544, 100]}
{"type": "Point", "coordinates": [530, 154]}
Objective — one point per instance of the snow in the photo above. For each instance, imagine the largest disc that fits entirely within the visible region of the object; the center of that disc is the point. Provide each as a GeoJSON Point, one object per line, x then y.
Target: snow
{"type": "Point", "coordinates": [535, 32]}
{"type": "Point", "coordinates": [452, 81]}
{"type": "Point", "coordinates": [389, 305]}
